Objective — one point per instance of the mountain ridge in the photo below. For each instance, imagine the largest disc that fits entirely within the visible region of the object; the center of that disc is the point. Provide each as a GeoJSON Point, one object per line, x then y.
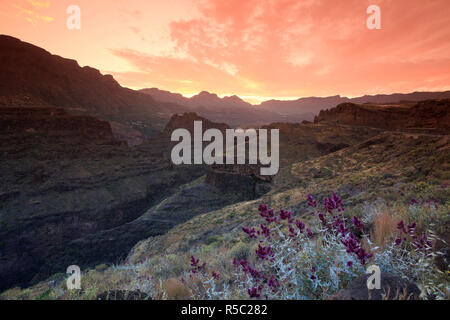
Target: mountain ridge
{"type": "Point", "coordinates": [32, 76]}
{"type": "Point", "coordinates": [310, 104]}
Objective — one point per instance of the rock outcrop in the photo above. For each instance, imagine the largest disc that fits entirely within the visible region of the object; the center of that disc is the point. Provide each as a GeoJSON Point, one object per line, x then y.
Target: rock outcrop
{"type": "Point", "coordinates": [392, 288]}
{"type": "Point", "coordinates": [51, 125]}
{"type": "Point", "coordinates": [431, 116]}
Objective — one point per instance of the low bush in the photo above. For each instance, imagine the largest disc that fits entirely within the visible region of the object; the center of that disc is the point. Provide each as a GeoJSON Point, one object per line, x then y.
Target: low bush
{"type": "Point", "coordinates": [296, 261]}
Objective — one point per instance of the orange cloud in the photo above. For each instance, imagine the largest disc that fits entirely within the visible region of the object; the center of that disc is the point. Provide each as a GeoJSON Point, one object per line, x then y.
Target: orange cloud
{"type": "Point", "coordinates": [294, 48]}
{"type": "Point", "coordinates": [254, 48]}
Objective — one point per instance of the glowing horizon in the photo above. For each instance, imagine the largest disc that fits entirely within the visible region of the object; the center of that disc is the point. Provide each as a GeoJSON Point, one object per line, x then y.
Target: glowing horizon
{"type": "Point", "coordinates": [258, 50]}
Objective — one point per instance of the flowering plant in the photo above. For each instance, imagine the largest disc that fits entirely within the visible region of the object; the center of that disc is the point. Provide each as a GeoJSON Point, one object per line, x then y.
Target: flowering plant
{"type": "Point", "coordinates": [296, 261]}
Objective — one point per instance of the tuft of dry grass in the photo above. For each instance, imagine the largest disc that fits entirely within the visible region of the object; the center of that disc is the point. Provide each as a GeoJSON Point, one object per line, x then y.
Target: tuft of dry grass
{"type": "Point", "coordinates": [175, 290]}
{"type": "Point", "coordinates": [385, 227]}
{"type": "Point", "coordinates": [398, 295]}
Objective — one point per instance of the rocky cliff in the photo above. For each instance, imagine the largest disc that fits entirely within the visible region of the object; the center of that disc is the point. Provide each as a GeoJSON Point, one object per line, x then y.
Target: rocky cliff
{"type": "Point", "coordinates": [429, 115]}
{"type": "Point", "coordinates": [51, 124]}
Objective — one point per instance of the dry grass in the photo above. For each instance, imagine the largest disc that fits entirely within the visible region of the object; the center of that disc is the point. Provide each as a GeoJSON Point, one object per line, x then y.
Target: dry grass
{"type": "Point", "coordinates": [175, 290]}
{"type": "Point", "coordinates": [398, 295]}
{"type": "Point", "coordinates": [385, 226]}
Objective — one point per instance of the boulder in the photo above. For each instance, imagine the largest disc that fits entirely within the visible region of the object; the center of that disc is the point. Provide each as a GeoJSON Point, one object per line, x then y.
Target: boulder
{"type": "Point", "coordinates": [392, 288]}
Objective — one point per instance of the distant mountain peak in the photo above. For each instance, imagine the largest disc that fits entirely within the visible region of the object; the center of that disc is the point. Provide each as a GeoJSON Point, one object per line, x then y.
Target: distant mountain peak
{"type": "Point", "coordinates": [203, 99]}
{"type": "Point", "coordinates": [233, 98]}
{"type": "Point", "coordinates": [205, 95]}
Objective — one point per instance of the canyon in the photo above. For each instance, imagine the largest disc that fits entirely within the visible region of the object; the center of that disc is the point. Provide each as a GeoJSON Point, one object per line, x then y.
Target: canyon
{"type": "Point", "coordinates": [87, 177]}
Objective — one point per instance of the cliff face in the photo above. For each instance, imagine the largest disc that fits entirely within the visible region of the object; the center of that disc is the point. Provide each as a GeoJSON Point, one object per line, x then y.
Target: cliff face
{"type": "Point", "coordinates": [432, 114]}
{"type": "Point", "coordinates": [66, 177]}
{"type": "Point", "coordinates": [21, 124]}
{"type": "Point", "coordinates": [186, 121]}
{"type": "Point", "coordinates": [429, 115]}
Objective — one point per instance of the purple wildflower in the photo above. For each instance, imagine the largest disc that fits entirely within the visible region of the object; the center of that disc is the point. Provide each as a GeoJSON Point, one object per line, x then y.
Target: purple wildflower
{"type": "Point", "coordinates": [358, 223]}
{"type": "Point", "coordinates": [194, 262]}
{"type": "Point", "coordinates": [254, 292]}
{"type": "Point", "coordinates": [401, 226]}
{"type": "Point", "coordinates": [273, 282]}
{"type": "Point", "coordinates": [412, 228]}
{"type": "Point", "coordinates": [311, 201]}
{"type": "Point", "coordinates": [284, 214]}
{"type": "Point", "coordinates": [251, 232]}
{"type": "Point", "coordinates": [292, 232]}
{"type": "Point", "coordinates": [195, 265]}
{"type": "Point", "coordinates": [335, 202]}
{"type": "Point", "coordinates": [300, 225]}
{"type": "Point", "coordinates": [323, 219]}
{"type": "Point", "coordinates": [264, 252]}
{"type": "Point", "coordinates": [265, 231]}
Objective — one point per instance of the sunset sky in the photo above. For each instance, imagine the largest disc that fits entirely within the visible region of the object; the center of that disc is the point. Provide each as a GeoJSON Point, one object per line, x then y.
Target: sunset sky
{"type": "Point", "coordinates": [256, 49]}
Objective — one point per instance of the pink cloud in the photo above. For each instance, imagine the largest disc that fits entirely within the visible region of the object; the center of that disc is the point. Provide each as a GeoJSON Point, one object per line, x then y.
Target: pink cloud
{"type": "Point", "coordinates": [297, 48]}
